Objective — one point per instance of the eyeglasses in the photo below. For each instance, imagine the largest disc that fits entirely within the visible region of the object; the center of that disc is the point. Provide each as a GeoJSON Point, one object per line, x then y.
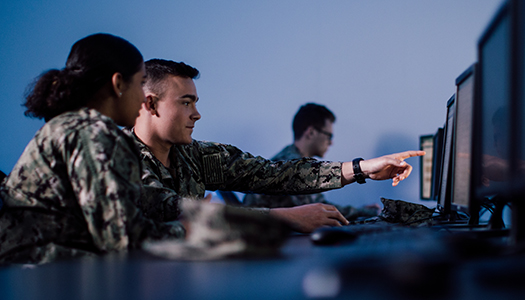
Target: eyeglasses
{"type": "Point", "coordinates": [328, 134]}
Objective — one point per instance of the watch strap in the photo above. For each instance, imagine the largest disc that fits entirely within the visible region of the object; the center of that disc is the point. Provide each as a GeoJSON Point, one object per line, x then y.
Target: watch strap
{"type": "Point", "coordinates": [358, 173]}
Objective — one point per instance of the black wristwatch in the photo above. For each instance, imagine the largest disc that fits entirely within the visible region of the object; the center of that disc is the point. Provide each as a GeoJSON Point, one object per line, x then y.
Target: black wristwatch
{"type": "Point", "coordinates": [358, 174]}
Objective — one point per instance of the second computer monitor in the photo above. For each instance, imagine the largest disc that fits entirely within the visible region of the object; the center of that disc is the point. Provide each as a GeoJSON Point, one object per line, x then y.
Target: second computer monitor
{"type": "Point", "coordinates": [460, 195]}
{"type": "Point", "coordinates": [447, 173]}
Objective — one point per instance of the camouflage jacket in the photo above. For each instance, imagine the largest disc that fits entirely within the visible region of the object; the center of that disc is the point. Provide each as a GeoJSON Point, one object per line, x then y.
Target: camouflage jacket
{"type": "Point", "coordinates": [258, 200]}
{"type": "Point", "coordinates": [72, 193]}
{"type": "Point", "coordinates": [202, 166]}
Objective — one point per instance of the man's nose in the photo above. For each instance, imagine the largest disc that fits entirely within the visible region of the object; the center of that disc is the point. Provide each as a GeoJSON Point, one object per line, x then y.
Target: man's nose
{"type": "Point", "coordinates": [195, 115]}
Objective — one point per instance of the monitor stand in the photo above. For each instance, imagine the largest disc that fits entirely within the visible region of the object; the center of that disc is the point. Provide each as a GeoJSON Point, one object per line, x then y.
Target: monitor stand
{"type": "Point", "coordinates": [494, 228]}
{"type": "Point", "coordinates": [517, 235]}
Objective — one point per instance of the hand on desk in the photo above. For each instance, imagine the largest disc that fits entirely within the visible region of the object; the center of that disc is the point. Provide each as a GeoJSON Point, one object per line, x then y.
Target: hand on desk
{"type": "Point", "coordinates": [306, 218]}
{"type": "Point", "coordinates": [390, 166]}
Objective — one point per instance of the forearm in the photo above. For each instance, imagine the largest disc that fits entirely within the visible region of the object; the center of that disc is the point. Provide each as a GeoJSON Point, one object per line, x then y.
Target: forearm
{"type": "Point", "coordinates": [347, 173]}
{"type": "Point", "coordinates": [286, 177]}
{"type": "Point", "coordinates": [306, 218]}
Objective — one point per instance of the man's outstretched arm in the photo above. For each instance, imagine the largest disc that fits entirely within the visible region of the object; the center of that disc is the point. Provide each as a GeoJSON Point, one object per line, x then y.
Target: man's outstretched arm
{"type": "Point", "coordinates": [392, 166]}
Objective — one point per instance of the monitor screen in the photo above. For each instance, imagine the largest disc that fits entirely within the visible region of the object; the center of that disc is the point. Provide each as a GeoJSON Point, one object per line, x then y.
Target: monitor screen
{"type": "Point", "coordinates": [437, 162]}
{"type": "Point", "coordinates": [463, 140]}
{"type": "Point", "coordinates": [519, 87]}
{"type": "Point", "coordinates": [448, 148]}
{"type": "Point", "coordinates": [492, 132]}
{"type": "Point", "coordinates": [426, 143]}
{"type": "Point", "coordinates": [493, 111]}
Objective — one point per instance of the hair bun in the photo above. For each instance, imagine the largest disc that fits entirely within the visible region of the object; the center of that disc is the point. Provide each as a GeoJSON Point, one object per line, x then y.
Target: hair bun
{"type": "Point", "coordinates": [90, 64]}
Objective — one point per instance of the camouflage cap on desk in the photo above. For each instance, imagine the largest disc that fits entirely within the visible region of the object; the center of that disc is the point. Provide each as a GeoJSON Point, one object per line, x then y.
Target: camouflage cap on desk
{"type": "Point", "coordinates": [217, 231]}
{"type": "Point", "coordinates": [406, 213]}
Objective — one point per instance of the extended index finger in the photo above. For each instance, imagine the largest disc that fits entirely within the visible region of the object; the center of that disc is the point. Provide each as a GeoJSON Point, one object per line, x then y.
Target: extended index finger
{"type": "Point", "coordinates": [407, 154]}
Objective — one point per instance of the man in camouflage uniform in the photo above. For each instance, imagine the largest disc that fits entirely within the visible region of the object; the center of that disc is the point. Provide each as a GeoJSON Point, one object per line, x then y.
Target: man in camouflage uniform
{"type": "Point", "coordinates": [176, 166]}
{"type": "Point", "coordinates": [312, 127]}
{"type": "Point", "coordinates": [72, 191]}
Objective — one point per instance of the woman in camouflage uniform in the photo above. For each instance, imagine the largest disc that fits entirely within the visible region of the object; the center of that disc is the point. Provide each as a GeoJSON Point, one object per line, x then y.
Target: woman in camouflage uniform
{"type": "Point", "coordinates": [72, 191]}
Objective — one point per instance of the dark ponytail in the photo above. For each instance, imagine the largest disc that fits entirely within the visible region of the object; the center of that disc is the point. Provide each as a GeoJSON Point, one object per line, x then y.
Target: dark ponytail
{"type": "Point", "coordinates": [90, 65]}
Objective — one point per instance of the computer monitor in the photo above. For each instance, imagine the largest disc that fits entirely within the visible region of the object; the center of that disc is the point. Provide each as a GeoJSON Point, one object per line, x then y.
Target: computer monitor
{"type": "Point", "coordinates": [448, 149]}
{"type": "Point", "coordinates": [437, 162]}
{"type": "Point", "coordinates": [426, 143]}
{"type": "Point", "coordinates": [518, 124]}
{"type": "Point", "coordinates": [460, 196]}
{"type": "Point", "coordinates": [518, 82]}
{"type": "Point", "coordinates": [492, 114]}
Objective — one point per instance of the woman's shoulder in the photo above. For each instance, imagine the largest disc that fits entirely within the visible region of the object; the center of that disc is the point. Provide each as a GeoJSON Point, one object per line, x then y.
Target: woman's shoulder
{"type": "Point", "coordinates": [83, 122]}
{"type": "Point", "coordinates": [71, 130]}
{"type": "Point", "coordinates": [84, 118]}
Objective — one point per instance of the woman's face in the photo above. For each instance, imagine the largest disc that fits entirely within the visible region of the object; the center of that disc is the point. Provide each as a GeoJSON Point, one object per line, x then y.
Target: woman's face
{"type": "Point", "coordinates": [132, 98]}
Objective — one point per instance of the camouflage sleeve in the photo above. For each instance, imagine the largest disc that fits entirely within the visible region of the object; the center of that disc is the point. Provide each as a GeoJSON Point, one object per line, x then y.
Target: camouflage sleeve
{"type": "Point", "coordinates": [228, 168]}
{"type": "Point", "coordinates": [158, 201]}
{"type": "Point", "coordinates": [105, 175]}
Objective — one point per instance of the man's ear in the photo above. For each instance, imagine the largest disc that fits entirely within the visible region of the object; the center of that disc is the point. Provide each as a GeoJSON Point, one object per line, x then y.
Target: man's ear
{"type": "Point", "coordinates": [151, 104]}
{"type": "Point", "coordinates": [118, 84]}
{"type": "Point", "coordinates": [309, 132]}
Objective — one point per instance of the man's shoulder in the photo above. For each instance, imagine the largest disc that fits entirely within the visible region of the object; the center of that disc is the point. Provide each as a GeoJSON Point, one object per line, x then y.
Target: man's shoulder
{"type": "Point", "coordinates": [289, 152]}
{"type": "Point", "coordinates": [143, 149]}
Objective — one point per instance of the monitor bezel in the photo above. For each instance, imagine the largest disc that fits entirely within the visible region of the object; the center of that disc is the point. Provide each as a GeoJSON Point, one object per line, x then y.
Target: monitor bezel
{"type": "Point", "coordinates": [437, 162]}
{"type": "Point", "coordinates": [517, 94]}
{"type": "Point", "coordinates": [478, 192]}
{"type": "Point", "coordinates": [470, 72]}
{"type": "Point", "coordinates": [447, 172]}
{"type": "Point", "coordinates": [422, 140]}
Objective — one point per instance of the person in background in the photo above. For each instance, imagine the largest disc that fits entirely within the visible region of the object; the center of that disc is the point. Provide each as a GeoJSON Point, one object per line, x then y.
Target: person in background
{"type": "Point", "coordinates": [73, 191]}
{"type": "Point", "coordinates": [176, 166]}
{"type": "Point", "coordinates": [313, 132]}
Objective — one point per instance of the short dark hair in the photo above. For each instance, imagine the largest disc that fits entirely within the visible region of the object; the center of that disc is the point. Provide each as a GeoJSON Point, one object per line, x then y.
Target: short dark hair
{"type": "Point", "coordinates": [90, 65]}
{"type": "Point", "coordinates": [310, 114]}
{"type": "Point", "coordinates": [158, 69]}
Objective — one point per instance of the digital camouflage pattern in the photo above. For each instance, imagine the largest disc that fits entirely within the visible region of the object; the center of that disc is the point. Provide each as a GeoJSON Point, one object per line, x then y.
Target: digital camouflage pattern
{"type": "Point", "coordinates": [218, 231]}
{"type": "Point", "coordinates": [259, 200]}
{"type": "Point", "coordinates": [72, 193]}
{"type": "Point", "coordinates": [406, 213]}
{"type": "Point", "coordinates": [202, 166]}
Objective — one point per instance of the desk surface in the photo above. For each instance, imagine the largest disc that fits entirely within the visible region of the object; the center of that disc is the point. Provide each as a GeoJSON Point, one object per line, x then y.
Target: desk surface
{"type": "Point", "coordinates": [416, 265]}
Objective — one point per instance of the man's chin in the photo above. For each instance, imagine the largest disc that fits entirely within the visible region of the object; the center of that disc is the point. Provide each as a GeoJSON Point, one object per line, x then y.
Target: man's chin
{"type": "Point", "coordinates": [189, 140]}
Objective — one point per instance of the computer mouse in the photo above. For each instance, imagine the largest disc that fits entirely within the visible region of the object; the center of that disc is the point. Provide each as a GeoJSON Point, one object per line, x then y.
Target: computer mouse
{"type": "Point", "coordinates": [331, 236]}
